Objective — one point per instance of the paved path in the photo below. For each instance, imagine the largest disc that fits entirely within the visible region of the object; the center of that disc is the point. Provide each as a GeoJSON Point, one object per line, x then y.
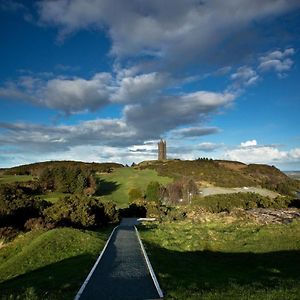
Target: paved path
{"type": "Point", "coordinates": [122, 272]}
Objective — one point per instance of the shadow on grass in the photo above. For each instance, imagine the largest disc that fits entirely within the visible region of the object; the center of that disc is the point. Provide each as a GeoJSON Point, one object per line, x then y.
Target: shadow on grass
{"type": "Point", "coordinates": [213, 275]}
{"type": "Point", "coordinates": [60, 280]}
{"type": "Point", "coordinates": [106, 187]}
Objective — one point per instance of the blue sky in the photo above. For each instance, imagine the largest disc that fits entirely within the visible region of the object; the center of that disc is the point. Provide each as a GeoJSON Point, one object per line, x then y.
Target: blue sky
{"type": "Point", "coordinates": [101, 80]}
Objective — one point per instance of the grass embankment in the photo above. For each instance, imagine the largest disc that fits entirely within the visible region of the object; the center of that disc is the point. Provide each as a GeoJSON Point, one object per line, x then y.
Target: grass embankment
{"type": "Point", "coordinates": [116, 185]}
{"type": "Point", "coordinates": [15, 178]}
{"type": "Point", "coordinates": [216, 260]}
{"type": "Point", "coordinates": [48, 264]}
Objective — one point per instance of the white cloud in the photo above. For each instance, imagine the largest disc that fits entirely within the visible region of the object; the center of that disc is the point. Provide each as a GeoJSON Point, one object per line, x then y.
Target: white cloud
{"type": "Point", "coordinates": [249, 143]}
{"type": "Point", "coordinates": [168, 29]}
{"type": "Point", "coordinates": [77, 94]}
{"type": "Point", "coordinates": [252, 152]}
{"type": "Point", "coordinates": [140, 88]}
{"type": "Point", "coordinates": [167, 113]}
{"type": "Point", "coordinates": [208, 147]}
{"type": "Point", "coordinates": [278, 61]}
{"type": "Point", "coordinates": [244, 76]}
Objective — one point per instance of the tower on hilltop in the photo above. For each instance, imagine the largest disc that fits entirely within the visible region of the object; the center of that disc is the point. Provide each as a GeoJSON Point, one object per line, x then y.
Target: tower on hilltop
{"type": "Point", "coordinates": [162, 150]}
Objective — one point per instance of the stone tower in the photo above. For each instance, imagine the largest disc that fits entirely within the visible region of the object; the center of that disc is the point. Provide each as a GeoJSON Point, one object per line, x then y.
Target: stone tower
{"type": "Point", "coordinates": [162, 150]}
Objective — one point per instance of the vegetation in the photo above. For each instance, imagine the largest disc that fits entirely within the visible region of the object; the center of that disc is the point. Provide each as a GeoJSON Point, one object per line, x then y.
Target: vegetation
{"type": "Point", "coordinates": [36, 169]}
{"type": "Point", "coordinates": [4, 179]}
{"type": "Point", "coordinates": [153, 191]}
{"type": "Point", "coordinates": [48, 264]}
{"type": "Point", "coordinates": [16, 207]}
{"type": "Point", "coordinates": [116, 185]}
{"type": "Point", "coordinates": [68, 180]}
{"type": "Point", "coordinates": [81, 212]}
{"type": "Point", "coordinates": [225, 174]}
{"type": "Point", "coordinates": [217, 260]}
{"type": "Point", "coordinates": [228, 202]}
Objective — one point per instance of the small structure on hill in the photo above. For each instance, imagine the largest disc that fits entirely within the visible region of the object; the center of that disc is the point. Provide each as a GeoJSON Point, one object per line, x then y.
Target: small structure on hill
{"type": "Point", "coordinates": [162, 150]}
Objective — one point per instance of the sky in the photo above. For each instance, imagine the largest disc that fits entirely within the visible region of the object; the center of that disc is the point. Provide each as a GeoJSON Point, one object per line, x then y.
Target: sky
{"type": "Point", "coordinates": [104, 80]}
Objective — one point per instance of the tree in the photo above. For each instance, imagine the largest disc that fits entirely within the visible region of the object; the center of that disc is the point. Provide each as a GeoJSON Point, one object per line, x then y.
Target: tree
{"type": "Point", "coordinates": [84, 212]}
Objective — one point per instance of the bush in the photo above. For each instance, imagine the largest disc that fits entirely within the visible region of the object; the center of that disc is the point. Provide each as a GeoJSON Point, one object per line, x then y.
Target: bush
{"type": "Point", "coordinates": [82, 212]}
{"type": "Point", "coordinates": [67, 180]}
{"type": "Point", "coordinates": [8, 233]}
{"type": "Point", "coordinates": [135, 194]}
{"type": "Point", "coordinates": [153, 191]}
{"type": "Point", "coordinates": [228, 202]}
{"type": "Point", "coordinates": [16, 207]}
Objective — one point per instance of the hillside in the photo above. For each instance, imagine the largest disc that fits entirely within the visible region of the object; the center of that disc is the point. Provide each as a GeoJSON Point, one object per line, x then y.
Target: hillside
{"type": "Point", "coordinates": [36, 169]}
{"type": "Point", "coordinates": [48, 264]}
{"type": "Point", "coordinates": [116, 185]}
{"type": "Point", "coordinates": [225, 173]}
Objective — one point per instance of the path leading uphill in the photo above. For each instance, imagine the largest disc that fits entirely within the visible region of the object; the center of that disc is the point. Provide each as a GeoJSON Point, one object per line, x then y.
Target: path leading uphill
{"type": "Point", "coordinates": [122, 271]}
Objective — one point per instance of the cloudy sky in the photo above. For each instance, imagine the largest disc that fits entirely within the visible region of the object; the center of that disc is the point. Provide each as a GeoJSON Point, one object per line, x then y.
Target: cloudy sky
{"type": "Point", "coordinates": [103, 80]}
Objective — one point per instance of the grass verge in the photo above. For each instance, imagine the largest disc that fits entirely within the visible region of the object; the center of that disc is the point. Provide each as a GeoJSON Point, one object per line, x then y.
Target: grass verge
{"type": "Point", "coordinates": [48, 264]}
{"type": "Point", "coordinates": [225, 261]}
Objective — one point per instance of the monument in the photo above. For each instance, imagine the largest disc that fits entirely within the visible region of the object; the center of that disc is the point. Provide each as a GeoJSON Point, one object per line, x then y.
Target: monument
{"type": "Point", "coordinates": [162, 150]}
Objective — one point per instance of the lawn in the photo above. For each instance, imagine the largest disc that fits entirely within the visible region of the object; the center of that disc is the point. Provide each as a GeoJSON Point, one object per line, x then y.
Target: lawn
{"type": "Point", "coordinates": [215, 260]}
{"type": "Point", "coordinates": [116, 185]}
{"type": "Point", "coordinates": [48, 264]}
{"type": "Point", "coordinates": [53, 196]}
{"type": "Point", "coordinates": [15, 178]}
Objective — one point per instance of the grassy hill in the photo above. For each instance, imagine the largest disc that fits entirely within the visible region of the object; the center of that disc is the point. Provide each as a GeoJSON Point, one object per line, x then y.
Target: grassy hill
{"type": "Point", "coordinates": [116, 185]}
{"type": "Point", "coordinates": [224, 173]}
{"type": "Point", "coordinates": [36, 169]}
{"type": "Point", "coordinates": [48, 264]}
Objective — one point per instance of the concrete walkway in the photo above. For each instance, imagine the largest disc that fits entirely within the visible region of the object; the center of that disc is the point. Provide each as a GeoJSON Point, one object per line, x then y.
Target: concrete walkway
{"type": "Point", "coordinates": [122, 272]}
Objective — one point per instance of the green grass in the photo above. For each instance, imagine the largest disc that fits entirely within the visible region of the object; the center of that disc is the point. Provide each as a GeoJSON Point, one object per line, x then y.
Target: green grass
{"type": "Point", "coordinates": [225, 261]}
{"type": "Point", "coordinates": [116, 185]}
{"type": "Point", "coordinates": [48, 264]}
{"type": "Point", "coordinates": [15, 178]}
{"type": "Point", "coordinates": [53, 196]}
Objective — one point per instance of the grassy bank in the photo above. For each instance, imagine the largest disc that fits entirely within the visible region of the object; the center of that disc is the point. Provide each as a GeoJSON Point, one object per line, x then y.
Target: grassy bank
{"type": "Point", "coordinates": [15, 178]}
{"type": "Point", "coordinates": [116, 185]}
{"type": "Point", "coordinates": [48, 264]}
{"type": "Point", "coordinates": [216, 260]}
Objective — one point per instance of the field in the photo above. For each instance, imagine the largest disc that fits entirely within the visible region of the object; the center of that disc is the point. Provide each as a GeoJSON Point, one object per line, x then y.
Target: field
{"type": "Point", "coordinates": [116, 185]}
{"type": "Point", "coordinates": [48, 264]}
{"type": "Point", "coordinates": [15, 178]}
{"type": "Point", "coordinates": [219, 260]}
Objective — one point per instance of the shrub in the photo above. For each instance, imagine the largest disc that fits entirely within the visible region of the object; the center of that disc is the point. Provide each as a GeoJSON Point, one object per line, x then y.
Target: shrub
{"type": "Point", "coordinates": [228, 202]}
{"type": "Point", "coordinates": [153, 191]}
{"type": "Point", "coordinates": [16, 207]}
{"type": "Point", "coordinates": [8, 233]}
{"type": "Point", "coordinates": [135, 194]}
{"type": "Point", "coordinates": [84, 212]}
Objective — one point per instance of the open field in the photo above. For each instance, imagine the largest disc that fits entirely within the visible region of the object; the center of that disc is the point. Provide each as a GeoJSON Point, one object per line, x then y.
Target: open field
{"type": "Point", "coordinates": [219, 260]}
{"type": "Point", "coordinates": [116, 185]}
{"type": "Point", "coordinates": [48, 264]}
{"type": "Point", "coordinates": [15, 178]}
